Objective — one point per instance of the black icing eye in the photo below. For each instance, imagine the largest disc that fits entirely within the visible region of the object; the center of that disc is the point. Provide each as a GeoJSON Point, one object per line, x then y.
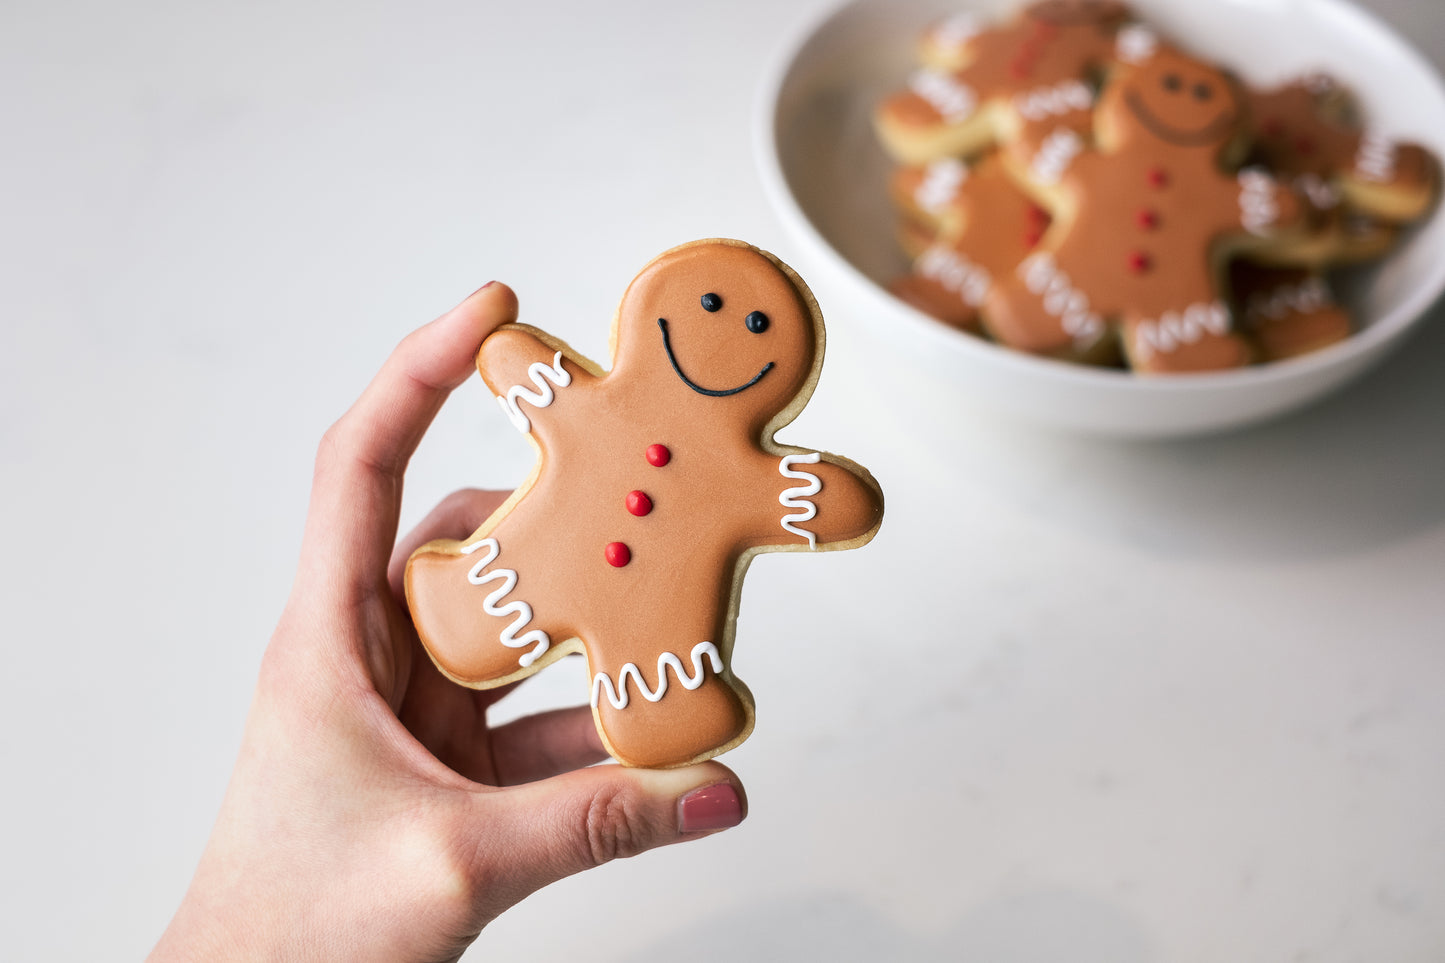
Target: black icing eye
{"type": "Point", "coordinates": [1203, 91]}
{"type": "Point", "coordinates": [757, 322]}
{"type": "Point", "coordinates": [1172, 83]}
{"type": "Point", "coordinates": [711, 302]}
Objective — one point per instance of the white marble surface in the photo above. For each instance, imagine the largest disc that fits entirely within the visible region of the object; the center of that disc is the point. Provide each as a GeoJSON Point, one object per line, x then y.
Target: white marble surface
{"type": "Point", "coordinates": [1135, 703]}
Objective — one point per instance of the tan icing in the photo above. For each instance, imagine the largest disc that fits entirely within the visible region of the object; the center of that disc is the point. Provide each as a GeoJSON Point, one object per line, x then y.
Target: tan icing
{"type": "Point", "coordinates": [714, 504]}
{"type": "Point", "coordinates": [1140, 222]}
{"type": "Point", "coordinates": [1042, 57]}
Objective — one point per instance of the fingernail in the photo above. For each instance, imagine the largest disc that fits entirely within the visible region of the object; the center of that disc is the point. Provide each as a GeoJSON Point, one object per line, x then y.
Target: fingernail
{"type": "Point", "coordinates": [710, 808]}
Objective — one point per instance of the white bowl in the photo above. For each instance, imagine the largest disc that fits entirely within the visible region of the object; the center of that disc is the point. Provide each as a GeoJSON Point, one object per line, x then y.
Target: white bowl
{"type": "Point", "coordinates": [826, 176]}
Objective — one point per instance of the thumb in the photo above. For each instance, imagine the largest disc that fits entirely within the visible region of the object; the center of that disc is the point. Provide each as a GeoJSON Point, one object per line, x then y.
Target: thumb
{"type": "Point", "coordinates": [553, 828]}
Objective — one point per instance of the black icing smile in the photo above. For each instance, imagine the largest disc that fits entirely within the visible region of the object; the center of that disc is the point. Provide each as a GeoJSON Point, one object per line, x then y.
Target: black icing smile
{"type": "Point", "coordinates": [710, 392]}
{"type": "Point", "coordinates": [1200, 137]}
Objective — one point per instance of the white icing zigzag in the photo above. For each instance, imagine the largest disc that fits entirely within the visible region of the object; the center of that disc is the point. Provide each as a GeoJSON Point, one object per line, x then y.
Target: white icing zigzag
{"type": "Point", "coordinates": [940, 184]}
{"type": "Point", "coordinates": [1376, 159]}
{"type": "Point", "coordinates": [1135, 44]}
{"type": "Point", "coordinates": [956, 273]}
{"type": "Point", "coordinates": [1060, 298]}
{"type": "Point", "coordinates": [540, 374]}
{"type": "Point", "coordinates": [521, 609]}
{"type": "Point", "coordinates": [1175, 329]}
{"type": "Point", "coordinates": [1322, 193]}
{"type": "Point", "coordinates": [1055, 155]}
{"type": "Point", "coordinates": [953, 101]}
{"type": "Point", "coordinates": [1042, 103]}
{"type": "Point", "coordinates": [618, 695]}
{"type": "Point", "coordinates": [1257, 208]}
{"type": "Point", "coordinates": [1307, 297]}
{"type": "Point", "coordinates": [798, 497]}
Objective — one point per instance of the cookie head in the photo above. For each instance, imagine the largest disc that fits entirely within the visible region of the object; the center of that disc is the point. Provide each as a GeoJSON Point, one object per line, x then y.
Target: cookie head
{"type": "Point", "coordinates": [1181, 101]}
{"type": "Point", "coordinates": [719, 325]}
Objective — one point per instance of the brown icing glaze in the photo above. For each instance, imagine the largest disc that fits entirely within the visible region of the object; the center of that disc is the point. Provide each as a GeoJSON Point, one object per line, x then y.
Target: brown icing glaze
{"type": "Point", "coordinates": [1142, 221]}
{"type": "Point", "coordinates": [710, 473]}
{"type": "Point", "coordinates": [983, 226]}
{"type": "Point", "coordinates": [1306, 130]}
{"type": "Point", "coordinates": [1286, 312]}
{"type": "Point", "coordinates": [1049, 54]}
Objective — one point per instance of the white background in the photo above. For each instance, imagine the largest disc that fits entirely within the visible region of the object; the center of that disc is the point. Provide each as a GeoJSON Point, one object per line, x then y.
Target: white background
{"type": "Point", "coordinates": [1080, 700]}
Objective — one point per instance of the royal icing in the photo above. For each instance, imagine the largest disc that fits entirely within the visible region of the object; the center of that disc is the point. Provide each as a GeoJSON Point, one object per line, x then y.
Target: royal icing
{"type": "Point", "coordinates": [1376, 159]}
{"type": "Point", "coordinates": [1039, 62]}
{"type": "Point", "coordinates": [940, 184]}
{"type": "Point", "coordinates": [522, 611]}
{"type": "Point", "coordinates": [799, 497]}
{"type": "Point", "coordinates": [1135, 43]}
{"type": "Point", "coordinates": [1306, 297]}
{"type": "Point", "coordinates": [1045, 102]}
{"type": "Point", "coordinates": [1173, 330]}
{"type": "Point", "coordinates": [952, 100]}
{"type": "Point", "coordinates": [1321, 193]}
{"type": "Point", "coordinates": [1060, 298]}
{"type": "Point", "coordinates": [540, 374]}
{"type": "Point", "coordinates": [655, 482]}
{"type": "Point", "coordinates": [1055, 155]}
{"type": "Point", "coordinates": [955, 273]}
{"type": "Point", "coordinates": [1258, 209]}
{"type": "Point", "coordinates": [617, 694]}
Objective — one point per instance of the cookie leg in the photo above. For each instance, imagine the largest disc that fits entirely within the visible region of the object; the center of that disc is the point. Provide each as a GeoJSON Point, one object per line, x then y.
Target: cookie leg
{"type": "Point", "coordinates": [1039, 310]}
{"type": "Point", "coordinates": [1199, 337]}
{"type": "Point", "coordinates": [470, 613]}
{"type": "Point", "coordinates": [682, 709]}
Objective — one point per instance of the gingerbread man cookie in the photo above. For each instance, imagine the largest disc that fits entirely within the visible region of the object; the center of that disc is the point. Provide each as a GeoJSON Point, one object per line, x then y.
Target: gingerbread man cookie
{"type": "Point", "coordinates": [1286, 312]}
{"type": "Point", "coordinates": [1028, 75]}
{"type": "Point", "coordinates": [1143, 223]}
{"type": "Point", "coordinates": [1306, 130]}
{"type": "Point", "coordinates": [656, 484]}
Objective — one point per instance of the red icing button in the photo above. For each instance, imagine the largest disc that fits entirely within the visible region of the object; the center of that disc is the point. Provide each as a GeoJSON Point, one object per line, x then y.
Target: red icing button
{"type": "Point", "coordinates": [1032, 237]}
{"type": "Point", "coordinates": [658, 455]}
{"type": "Point", "coordinates": [1158, 177]}
{"type": "Point", "coordinates": [617, 554]}
{"type": "Point", "coordinates": [638, 503]}
{"type": "Point", "coordinates": [1038, 217]}
{"type": "Point", "coordinates": [1139, 262]}
{"type": "Point", "coordinates": [1147, 219]}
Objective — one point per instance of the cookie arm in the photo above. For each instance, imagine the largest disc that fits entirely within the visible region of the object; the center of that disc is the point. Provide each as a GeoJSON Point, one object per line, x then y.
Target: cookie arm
{"type": "Point", "coordinates": [1391, 181]}
{"type": "Point", "coordinates": [825, 502]}
{"type": "Point", "coordinates": [526, 370]}
{"type": "Point", "coordinates": [1267, 208]}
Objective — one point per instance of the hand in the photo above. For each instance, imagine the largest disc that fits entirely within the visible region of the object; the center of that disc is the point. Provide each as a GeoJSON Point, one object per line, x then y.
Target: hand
{"type": "Point", "coordinates": [373, 813]}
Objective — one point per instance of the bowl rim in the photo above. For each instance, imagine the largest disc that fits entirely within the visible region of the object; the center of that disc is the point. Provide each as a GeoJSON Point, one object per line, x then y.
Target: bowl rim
{"type": "Point", "coordinates": [1413, 308]}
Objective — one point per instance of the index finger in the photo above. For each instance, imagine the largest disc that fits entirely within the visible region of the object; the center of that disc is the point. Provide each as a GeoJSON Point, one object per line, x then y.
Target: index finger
{"type": "Point", "coordinates": [356, 491]}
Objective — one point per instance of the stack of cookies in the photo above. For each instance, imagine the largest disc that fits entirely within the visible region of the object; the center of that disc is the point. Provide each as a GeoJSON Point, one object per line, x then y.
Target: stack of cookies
{"type": "Point", "coordinates": [1071, 183]}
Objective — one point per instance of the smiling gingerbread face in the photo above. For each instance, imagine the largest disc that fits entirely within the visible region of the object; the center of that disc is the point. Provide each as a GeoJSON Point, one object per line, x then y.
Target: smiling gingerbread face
{"type": "Point", "coordinates": [718, 326]}
{"type": "Point", "coordinates": [1182, 101]}
{"type": "Point", "coordinates": [655, 484]}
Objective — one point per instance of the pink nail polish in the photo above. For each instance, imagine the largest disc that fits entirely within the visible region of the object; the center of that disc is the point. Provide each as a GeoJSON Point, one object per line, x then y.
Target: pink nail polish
{"type": "Point", "coordinates": [712, 807]}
